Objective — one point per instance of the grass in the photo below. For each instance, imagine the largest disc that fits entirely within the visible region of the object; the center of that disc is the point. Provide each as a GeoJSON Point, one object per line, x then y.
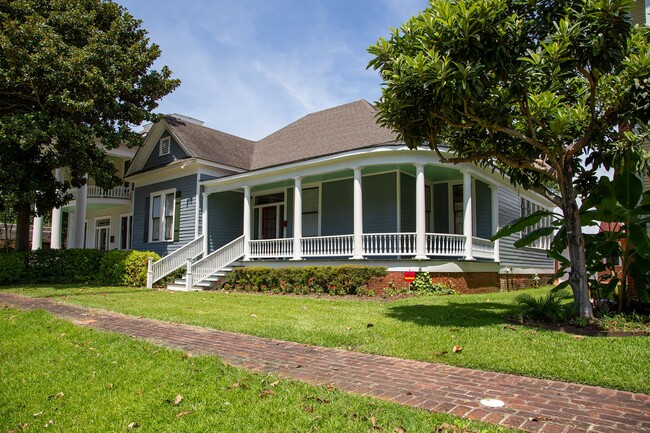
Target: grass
{"type": "Point", "coordinates": [59, 377]}
{"type": "Point", "coordinates": [423, 328]}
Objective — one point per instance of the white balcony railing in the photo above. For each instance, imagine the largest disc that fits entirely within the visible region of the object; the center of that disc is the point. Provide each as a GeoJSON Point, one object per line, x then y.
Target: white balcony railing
{"type": "Point", "coordinates": [388, 244]}
{"type": "Point", "coordinates": [482, 248]}
{"type": "Point", "coordinates": [271, 248]}
{"type": "Point", "coordinates": [119, 192]}
{"type": "Point", "coordinates": [328, 246]}
{"type": "Point", "coordinates": [439, 244]}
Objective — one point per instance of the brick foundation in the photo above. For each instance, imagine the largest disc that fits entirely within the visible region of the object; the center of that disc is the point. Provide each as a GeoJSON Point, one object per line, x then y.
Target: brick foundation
{"type": "Point", "coordinates": [520, 281]}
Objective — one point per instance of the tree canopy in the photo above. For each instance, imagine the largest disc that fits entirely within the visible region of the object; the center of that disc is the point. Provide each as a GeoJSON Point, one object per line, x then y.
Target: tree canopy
{"type": "Point", "coordinates": [72, 73]}
{"type": "Point", "coordinates": [544, 91]}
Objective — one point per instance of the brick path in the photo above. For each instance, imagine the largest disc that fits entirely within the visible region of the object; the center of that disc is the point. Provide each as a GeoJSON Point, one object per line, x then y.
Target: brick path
{"type": "Point", "coordinates": [531, 404]}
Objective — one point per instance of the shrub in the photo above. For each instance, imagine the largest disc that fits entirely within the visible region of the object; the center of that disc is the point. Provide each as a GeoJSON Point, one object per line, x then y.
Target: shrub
{"type": "Point", "coordinates": [334, 280]}
{"type": "Point", "coordinates": [125, 268]}
{"type": "Point", "coordinates": [423, 285]}
{"type": "Point", "coordinates": [550, 307]}
{"type": "Point", "coordinates": [80, 266]}
{"type": "Point", "coordinates": [13, 267]}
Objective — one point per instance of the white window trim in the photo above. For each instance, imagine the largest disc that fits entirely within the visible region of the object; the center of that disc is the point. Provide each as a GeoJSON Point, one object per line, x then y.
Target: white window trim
{"type": "Point", "coordinates": [130, 235]}
{"type": "Point", "coordinates": [95, 228]}
{"type": "Point", "coordinates": [167, 141]}
{"type": "Point", "coordinates": [162, 195]}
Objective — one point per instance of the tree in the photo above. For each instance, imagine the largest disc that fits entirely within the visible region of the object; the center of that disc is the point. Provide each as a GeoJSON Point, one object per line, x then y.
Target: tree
{"type": "Point", "coordinates": [534, 89]}
{"type": "Point", "coordinates": [72, 73]}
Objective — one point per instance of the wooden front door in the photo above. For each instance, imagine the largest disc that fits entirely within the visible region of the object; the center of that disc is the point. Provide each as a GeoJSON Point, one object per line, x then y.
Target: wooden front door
{"type": "Point", "coordinates": [269, 222]}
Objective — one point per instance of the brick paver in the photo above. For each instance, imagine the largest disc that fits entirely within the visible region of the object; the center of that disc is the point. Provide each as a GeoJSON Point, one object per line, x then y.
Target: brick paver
{"type": "Point", "coordinates": [531, 404]}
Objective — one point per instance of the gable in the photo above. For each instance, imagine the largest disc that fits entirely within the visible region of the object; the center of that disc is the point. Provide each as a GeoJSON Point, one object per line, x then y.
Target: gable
{"type": "Point", "coordinates": [176, 152]}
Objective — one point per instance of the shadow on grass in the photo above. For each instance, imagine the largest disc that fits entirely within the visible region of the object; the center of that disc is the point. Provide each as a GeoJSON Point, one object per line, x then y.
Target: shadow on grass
{"type": "Point", "coordinates": [70, 291]}
{"type": "Point", "coordinates": [454, 314]}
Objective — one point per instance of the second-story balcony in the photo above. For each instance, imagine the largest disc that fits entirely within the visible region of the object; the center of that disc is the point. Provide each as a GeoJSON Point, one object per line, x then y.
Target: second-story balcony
{"type": "Point", "coordinates": [119, 192]}
{"type": "Point", "coordinates": [100, 198]}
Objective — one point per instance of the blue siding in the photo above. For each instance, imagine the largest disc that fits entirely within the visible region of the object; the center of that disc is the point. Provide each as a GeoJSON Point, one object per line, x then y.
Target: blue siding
{"type": "Point", "coordinates": [483, 209]}
{"type": "Point", "coordinates": [225, 218]}
{"type": "Point", "coordinates": [380, 203]}
{"type": "Point", "coordinates": [289, 204]}
{"type": "Point", "coordinates": [441, 208]}
{"type": "Point", "coordinates": [337, 208]}
{"type": "Point", "coordinates": [187, 187]}
{"type": "Point", "coordinates": [175, 152]}
{"type": "Point", "coordinates": [407, 205]}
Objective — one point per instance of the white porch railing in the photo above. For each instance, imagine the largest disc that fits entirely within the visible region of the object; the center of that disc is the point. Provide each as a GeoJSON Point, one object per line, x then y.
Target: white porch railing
{"type": "Point", "coordinates": [482, 248]}
{"type": "Point", "coordinates": [215, 261]}
{"type": "Point", "coordinates": [388, 244]}
{"type": "Point", "coordinates": [121, 192]}
{"type": "Point", "coordinates": [271, 248]}
{"type": "Point", "coordinates": [439, 244]}
{"type": "Point", "coordinates": [173, 261]}
{"type": "Point", "coordinates": [328, 246]}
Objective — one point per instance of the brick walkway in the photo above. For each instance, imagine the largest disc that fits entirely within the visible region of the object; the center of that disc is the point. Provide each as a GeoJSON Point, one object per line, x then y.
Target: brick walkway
{"type": "Point", "coordinates": [531, 404]}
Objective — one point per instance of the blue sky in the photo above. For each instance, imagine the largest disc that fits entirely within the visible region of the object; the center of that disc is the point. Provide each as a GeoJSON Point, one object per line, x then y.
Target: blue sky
{"type": "Point", "coordinates": [250, 67]}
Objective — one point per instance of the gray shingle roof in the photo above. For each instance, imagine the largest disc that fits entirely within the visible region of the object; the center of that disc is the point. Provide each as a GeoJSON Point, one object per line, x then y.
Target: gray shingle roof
{"type": "Point", "coordinates": [206, 143]}
{"type": "Point", "coordinates": [339, 129]}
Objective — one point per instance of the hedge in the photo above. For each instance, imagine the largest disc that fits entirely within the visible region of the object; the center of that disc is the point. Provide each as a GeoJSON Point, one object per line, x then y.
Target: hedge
{"type": "Point", "coordinates": [126, 268]}
{"type": "Point", "coordinates": [334, 280]}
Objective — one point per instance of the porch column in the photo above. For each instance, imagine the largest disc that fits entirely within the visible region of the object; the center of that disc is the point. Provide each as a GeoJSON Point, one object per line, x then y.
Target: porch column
{"type": "Point", "coordinates": [57, 220]}
{"type": "Point", "coordinates": [70, 236]}
{"type": "Point", "coordinates": [420, 214]}
{"type": "Point", "coordinates": [297, 218]}
{"type": "Point", "coordinates": [495, 217]}
{"type": "Point", "coordinates": [37, 232]}
{"type": "Point", "coordinates": [204, 225]}
{"type": "Point", "coordinates": [80, 215]}
{"type": "Point", "coordinates": [467, 214]}
{"type": "Point", "coordinates": [247, 222]}
{"type": "Point", "coordinates": [358, 214]}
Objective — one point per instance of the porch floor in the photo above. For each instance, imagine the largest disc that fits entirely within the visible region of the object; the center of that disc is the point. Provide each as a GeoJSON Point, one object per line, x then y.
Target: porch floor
{"type": "Point", "coordinates": [530, 404]}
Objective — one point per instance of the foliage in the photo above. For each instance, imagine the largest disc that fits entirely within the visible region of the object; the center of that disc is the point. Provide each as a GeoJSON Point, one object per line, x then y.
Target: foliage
{"type": "Point", "coordinates": [535, 90]}
{"type": "Point", "coordinates": [423, 285]}
{"type": "Point", "coordinates": [333, 280]}
{"type": "Point", "coordinates": [53, 266]}
{"type": "Point", "coordinates": [551, 307]}
{"type": "Point", "coordinates": [71, 72]}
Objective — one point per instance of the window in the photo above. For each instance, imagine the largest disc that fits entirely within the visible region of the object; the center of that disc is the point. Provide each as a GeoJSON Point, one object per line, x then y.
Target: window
{"type": "Point", "coordinates": [164, 146]}
{"type": "Point", "coordinates": [310, 199]}
{"type": "Point", "coordinates": [102, 233]}
{"type": "Point", "coordinates": [457, 203]}
{"type": "Point", "coordinates": [528, 208]}
{"type": "Point", "coordinates": [126, 227]}
{"type": "Point", "coordinates": [163, 206]}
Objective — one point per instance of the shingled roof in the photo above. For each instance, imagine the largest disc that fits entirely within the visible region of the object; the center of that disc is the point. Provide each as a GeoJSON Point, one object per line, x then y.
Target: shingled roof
{"type": "Point", "coordinates": [212, 145]}
{"type": "Point", "coordinates": [339, 129]}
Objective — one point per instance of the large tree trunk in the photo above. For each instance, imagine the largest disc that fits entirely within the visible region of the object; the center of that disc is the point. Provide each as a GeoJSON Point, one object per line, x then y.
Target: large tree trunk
{"type": "Point", "coordinates": [578, 279]}
{"type": "Point", "coordinates": [23, 212]}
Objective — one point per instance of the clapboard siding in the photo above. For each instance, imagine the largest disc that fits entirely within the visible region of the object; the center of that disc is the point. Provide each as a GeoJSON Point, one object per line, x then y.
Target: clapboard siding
{"type": "Point", "coordinates": [175, 152]}
{"type": "Point", "coordinates": [441, 208]}
{"type": "Point", "coordinates": [379, 203]}
{"type": "Point", "coordinates": [338, 208]}
{"type": "Point", "coordinates": [639, 12]}
{"type": "Point", "coordinates": [407, 203]}
{"type": "Point", "coordinates": [225, 218]}
{"type": "Point", "coordinates": [187, 187]}
{"type": "Point", "coordinates": [510, 209]}
{"type": "Point", "coordinates": [289, 202]}
{"type": "Point", "coordinates": [483, 210]}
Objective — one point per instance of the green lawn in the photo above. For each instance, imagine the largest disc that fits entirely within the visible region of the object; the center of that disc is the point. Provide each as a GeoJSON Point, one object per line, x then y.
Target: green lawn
{"type": "Point", "coordinates": [59, 377]}
{"type": "Point", "coordinates": [422, 328]}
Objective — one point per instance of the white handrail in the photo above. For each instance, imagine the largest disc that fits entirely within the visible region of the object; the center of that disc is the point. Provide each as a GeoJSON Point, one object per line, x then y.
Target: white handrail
{"type": "Point", "coordinates": [482, 248]}
{"type": "Point", "coordinates": [216, 261]}
{"type": "Point", "coordinates": [121, 192]}
{"type": "Point", "coordinates": [271, 248]}
{"type": "Point", "coordinates": [328, 246]}
{"type": "Point", "coordinates": [388, 244]}
{"type": "Point", "coordinates": [174, 260]}
{"type": "Point", "coordinates": [441, 244]}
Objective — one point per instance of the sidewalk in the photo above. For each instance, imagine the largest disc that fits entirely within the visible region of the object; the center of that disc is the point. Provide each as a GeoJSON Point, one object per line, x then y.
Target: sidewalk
{"type": "Point", "coordinates": [530, 404]}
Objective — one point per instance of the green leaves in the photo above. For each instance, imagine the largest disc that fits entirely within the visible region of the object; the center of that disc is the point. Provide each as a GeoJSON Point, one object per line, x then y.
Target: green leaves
{"type": "Point", "coordinates": [521, 223]}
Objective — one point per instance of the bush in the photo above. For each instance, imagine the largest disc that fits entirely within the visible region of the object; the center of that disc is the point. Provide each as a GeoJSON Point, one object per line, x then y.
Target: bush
{"type": "Point", "coordinates": [125, 268]}
{"type": "Point", "coordinates": [551, 307]}
{"type": "Point", "coordinates": [13, 268]}
{"type": "Point", "coordinates": [422, 285]}
{"type": "Point", "coordinates": [334, 280]}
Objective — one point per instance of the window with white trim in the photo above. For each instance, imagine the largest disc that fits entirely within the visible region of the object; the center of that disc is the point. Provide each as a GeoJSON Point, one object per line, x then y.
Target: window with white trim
{"type": "Point", "coordinates": [528, 208]}
{"type": "Point", "coordinates": [164, 146]}
{"type": "Point", "coordinates": [310, 200]}
{"type": "Point", "coordinates": [161, 216]}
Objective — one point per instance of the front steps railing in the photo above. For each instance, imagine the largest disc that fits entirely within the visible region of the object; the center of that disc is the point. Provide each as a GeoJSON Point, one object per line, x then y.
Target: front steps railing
{"type": "Point", "coordinates": [173, 261]}
{"type": "Point", "coordinates": [214, 262]}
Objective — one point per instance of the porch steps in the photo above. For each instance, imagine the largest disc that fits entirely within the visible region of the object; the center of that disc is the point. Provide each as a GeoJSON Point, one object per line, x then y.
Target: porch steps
{"type": "Point", "coordinates": [180, 284]}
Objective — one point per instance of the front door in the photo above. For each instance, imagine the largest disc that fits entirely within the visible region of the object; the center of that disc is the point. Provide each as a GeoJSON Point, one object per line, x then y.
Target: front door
{"type": "Point", "coordinates": [269, 222]}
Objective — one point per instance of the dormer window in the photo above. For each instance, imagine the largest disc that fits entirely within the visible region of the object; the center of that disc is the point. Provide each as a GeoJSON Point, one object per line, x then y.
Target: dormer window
{"type": "Point", "coordinates": [164, 146]}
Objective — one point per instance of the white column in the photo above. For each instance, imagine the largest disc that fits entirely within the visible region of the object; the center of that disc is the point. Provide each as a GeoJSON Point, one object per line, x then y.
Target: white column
{"type": "Point", "coordinates": [80, 215]}
{"type": "Point", "coordinates": [495, 217]}
{"type": "Point", "coordinates": [204, 224]}
{"type": "Point", "coordinates": [57, 220]}
{"type": "Point", "coordinates": [420, 214]}
{"type": "Point", "coordinates": [467, 214]}
{"type": "Point", "coordinates": [358, 214]}
{"type": "Point", "coordinates": [37, 233]}
{"type": "Point", "coordinates": [297, 218]}
{"type": "Point", "coordinates": [70, 236]}
{"type": "Point", "coordinates": [247, 222]}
